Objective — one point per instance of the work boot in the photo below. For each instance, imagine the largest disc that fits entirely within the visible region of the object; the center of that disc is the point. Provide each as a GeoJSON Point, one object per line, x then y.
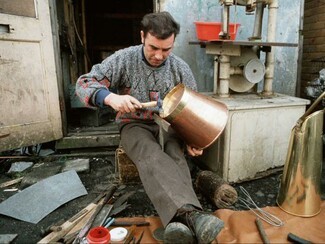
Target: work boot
{"type": "Point", "coordinates": [205, 225]}
{"type": "Point", "coordinates": [177, 232]}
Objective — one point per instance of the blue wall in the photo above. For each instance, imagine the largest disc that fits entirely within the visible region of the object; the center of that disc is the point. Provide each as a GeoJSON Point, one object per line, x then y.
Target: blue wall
{"type": "Point", "coordinates": [188, 11]}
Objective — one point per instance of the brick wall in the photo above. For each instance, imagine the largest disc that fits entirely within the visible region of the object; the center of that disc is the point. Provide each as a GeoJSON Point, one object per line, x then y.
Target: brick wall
{"type": "Point", "coordinates": [313, 58]}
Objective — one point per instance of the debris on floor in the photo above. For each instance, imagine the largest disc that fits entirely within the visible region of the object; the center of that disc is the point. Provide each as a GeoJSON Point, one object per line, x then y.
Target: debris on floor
{"type": "Point", "coordinates": [37, 201]}
{"type": "Point", "coordinates": [128, 207]}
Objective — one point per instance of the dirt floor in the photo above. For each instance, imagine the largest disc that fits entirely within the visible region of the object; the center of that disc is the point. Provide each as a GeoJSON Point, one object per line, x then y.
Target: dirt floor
{"type": "Point", "coordinates": [97, 179]}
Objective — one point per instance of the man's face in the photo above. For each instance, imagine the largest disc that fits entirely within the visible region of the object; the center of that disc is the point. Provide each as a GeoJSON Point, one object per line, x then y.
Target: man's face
{"type": "Point", "coordinates": [156, 50]}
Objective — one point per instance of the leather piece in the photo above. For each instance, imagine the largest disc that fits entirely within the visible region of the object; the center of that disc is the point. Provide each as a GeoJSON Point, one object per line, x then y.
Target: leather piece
{"type": "Point", "coordinates": [240, 226]}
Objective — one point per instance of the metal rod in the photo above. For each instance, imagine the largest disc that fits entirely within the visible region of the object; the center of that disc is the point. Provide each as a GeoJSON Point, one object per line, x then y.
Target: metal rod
{"type": "Point", "coordinates": [261, 230]}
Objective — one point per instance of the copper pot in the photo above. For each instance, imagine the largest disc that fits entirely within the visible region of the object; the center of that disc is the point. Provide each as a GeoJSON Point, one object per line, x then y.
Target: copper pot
{"type": "Point", "coordinates": [197, 118]}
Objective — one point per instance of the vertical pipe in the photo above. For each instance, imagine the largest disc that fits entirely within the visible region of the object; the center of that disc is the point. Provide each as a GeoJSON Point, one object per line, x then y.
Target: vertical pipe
{"type": "Point", "coordinates": [216, 74]}
{"type": "Point", "coordinates": [225, 22]}
{"type": "Point", "coordinates": [257, 32]}
{"type": "Point", "coordinates": [300, 50]}
{"type": "Point", "coordinates": [269, 74]}
{"type": "Point", "coordinates": [224, 75]}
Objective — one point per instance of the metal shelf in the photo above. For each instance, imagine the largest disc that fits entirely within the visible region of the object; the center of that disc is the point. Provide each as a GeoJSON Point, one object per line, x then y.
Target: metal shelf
{"type": "Point", "coordinates": [243, 43]}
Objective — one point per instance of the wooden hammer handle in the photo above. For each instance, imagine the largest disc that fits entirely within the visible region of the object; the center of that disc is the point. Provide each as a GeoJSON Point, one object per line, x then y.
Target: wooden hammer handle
{"type": "Point", "coordinates": [149, 104]}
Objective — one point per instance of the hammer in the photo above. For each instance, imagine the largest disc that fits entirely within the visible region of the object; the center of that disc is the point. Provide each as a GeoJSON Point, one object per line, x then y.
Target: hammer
{"type": "Point", "coordinates": [153, 104]}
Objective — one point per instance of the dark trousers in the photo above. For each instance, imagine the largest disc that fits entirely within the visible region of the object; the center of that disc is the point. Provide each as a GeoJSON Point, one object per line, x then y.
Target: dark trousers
{"type": "Point", "coordinates": [164, 174]}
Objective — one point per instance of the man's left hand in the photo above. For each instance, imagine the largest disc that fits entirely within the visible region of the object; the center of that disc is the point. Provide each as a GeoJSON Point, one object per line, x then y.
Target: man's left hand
{"type": "Point", "coordinates": [194, 151]}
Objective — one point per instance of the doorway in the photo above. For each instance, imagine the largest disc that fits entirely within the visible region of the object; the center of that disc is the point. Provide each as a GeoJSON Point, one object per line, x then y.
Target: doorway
{"type": "Point", "coordinates": [91, 31]}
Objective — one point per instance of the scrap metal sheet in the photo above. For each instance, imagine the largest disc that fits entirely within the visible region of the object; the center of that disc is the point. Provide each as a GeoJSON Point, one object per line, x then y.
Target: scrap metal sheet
{"type": "Point", "coordinates": [37, 201]}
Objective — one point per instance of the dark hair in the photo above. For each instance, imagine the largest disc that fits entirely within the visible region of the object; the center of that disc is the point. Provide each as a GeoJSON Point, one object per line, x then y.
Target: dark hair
{"type": "Point", "coordinates": [161, 25]}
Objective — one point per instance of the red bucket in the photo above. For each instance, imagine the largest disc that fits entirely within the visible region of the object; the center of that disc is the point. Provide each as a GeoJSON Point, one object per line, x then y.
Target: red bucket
{"type": "Point", "coordinates": [209, 31]}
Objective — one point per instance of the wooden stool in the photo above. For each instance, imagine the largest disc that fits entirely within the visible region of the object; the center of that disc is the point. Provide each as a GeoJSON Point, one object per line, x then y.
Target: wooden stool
{"type": "Point", "coordinates": [126, 169]}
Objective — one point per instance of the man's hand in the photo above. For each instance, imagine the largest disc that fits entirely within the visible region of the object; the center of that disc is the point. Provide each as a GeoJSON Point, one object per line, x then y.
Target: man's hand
{"type": "Point", "coordinates": [194, 151]}
{"type": "Point", "coordinates": [122, 103]}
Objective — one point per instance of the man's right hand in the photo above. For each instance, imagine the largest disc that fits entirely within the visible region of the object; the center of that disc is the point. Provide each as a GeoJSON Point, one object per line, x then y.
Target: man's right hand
{"type": "Point", "coordinates": [122, 103]}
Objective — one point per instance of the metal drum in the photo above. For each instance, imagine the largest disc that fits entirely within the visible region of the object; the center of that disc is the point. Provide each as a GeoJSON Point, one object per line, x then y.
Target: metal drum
{"type": "Point", "coordinates": [197, 118]}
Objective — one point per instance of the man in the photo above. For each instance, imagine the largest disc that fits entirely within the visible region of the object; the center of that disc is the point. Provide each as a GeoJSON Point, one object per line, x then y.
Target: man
{"type": "Point", "coordinates": [140, 74]}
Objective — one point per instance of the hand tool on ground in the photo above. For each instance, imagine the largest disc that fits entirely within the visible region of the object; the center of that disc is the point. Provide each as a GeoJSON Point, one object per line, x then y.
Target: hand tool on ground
{"type": "Point", "coordinates": [130, 223]}
{"type": "Point", "coordinates": [261, 230]}
{"type": "Point", "coordinates": [121, 203]}
{"type": "Point", "coordinates": [122, 199]}
{"type": "Point", "coordinates": [71, 235]}
{"type": "Point", "coordinates": [109, 222]}
{"type": "Point", "coordinates": [68, 225]}
{"type": "Point", "coordinates": [110, 207]}
{"type": "Point", "coordinates": [140, 238]}
{"type": "Point", "coordinates": [60, 231]}
{"type": "Point", "coordinates": [87, 226]}
{"type": "Point", "coordinates": [297, 239]}
{"type": "Point", "coordinates": [129, 236]}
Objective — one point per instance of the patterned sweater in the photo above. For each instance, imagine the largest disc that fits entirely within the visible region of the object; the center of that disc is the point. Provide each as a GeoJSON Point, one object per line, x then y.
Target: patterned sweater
{"type": "Point", "coordinates": [127, 72]}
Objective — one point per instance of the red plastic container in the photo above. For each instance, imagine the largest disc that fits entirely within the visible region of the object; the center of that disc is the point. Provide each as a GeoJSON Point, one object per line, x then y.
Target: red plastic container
{"type": "Point", "coordinates": [98, 235]}
{"type": "Point", "coordinates": [209, 31]}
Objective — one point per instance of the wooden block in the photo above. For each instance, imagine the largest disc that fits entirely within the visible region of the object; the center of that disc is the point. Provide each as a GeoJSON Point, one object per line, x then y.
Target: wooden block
{"type": "Point", "coordinates": [216, 189]}
{"type": "Point", "coordinates": [126, 169]}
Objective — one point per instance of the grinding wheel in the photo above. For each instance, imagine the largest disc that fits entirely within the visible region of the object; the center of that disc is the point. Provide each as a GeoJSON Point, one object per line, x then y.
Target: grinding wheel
{"type": "Point", "coordinates": [253, 71]}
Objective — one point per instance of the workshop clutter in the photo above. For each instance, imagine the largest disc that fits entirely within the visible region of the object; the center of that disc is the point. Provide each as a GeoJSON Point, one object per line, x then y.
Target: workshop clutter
{"type": "Point", "coordinates": [210, 31]}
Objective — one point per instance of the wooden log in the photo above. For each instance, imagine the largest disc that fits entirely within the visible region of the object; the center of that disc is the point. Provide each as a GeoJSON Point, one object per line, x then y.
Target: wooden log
{"type": "Point", "coordinates": [216, 189]}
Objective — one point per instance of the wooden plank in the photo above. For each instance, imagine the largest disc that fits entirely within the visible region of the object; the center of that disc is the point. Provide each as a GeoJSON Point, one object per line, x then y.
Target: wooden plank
{"type": "Point", "coordinates": [315, 48]}
{"type": "Point", "coordinates": [88, 141]}
{"type": "Point", "coordinates": [68, 17]}
{"type": "Point", "coordinates": [314, 33]}
{"type": "Point", "coordinates": [11, 182]}
{"type": "Point", "coordinates": [313, 4]}
{"type": "Point", "coordinates": [315, 10]}
{"type": "Point", "coordinates": [310, 56]}
{"type": "Point", "coordinates": [310, 27]}
{"type": "Point", "coordinates": [68, 225]}
{"type": "Point", "coordinates": [314, 19]}
{"type": "Point", "coordinates": [314, 41]}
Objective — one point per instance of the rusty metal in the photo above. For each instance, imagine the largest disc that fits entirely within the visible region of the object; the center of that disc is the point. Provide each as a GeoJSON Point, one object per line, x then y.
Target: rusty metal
{"type": "Point", "coordinates": [197, 118]}
{"type": "Point", "coordinates": [300, 192]}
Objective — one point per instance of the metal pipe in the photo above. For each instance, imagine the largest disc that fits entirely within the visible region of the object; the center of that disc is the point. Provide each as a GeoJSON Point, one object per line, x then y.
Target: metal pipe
{"type": "Point", "coordinates": [236, 71]}
{"type": "Point", "coordinates": [224, 75]}
{"type": "Point", "coordinates": [269, 64]}
{"type": "Point", "coordinates": [225, 23]}
{"type": "Point", "coordinates": [257, 32]}
{"type": "Point", "coordinates": [216, 74]}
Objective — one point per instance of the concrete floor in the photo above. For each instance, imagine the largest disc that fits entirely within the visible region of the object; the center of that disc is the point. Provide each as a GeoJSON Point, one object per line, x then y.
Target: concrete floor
{"type": "Point", "coordinates": [101, 174]}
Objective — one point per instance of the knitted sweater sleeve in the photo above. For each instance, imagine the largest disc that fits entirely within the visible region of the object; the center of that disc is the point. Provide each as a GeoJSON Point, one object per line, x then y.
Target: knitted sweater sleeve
{"type": "Point", "coordinates": [101, 77]}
